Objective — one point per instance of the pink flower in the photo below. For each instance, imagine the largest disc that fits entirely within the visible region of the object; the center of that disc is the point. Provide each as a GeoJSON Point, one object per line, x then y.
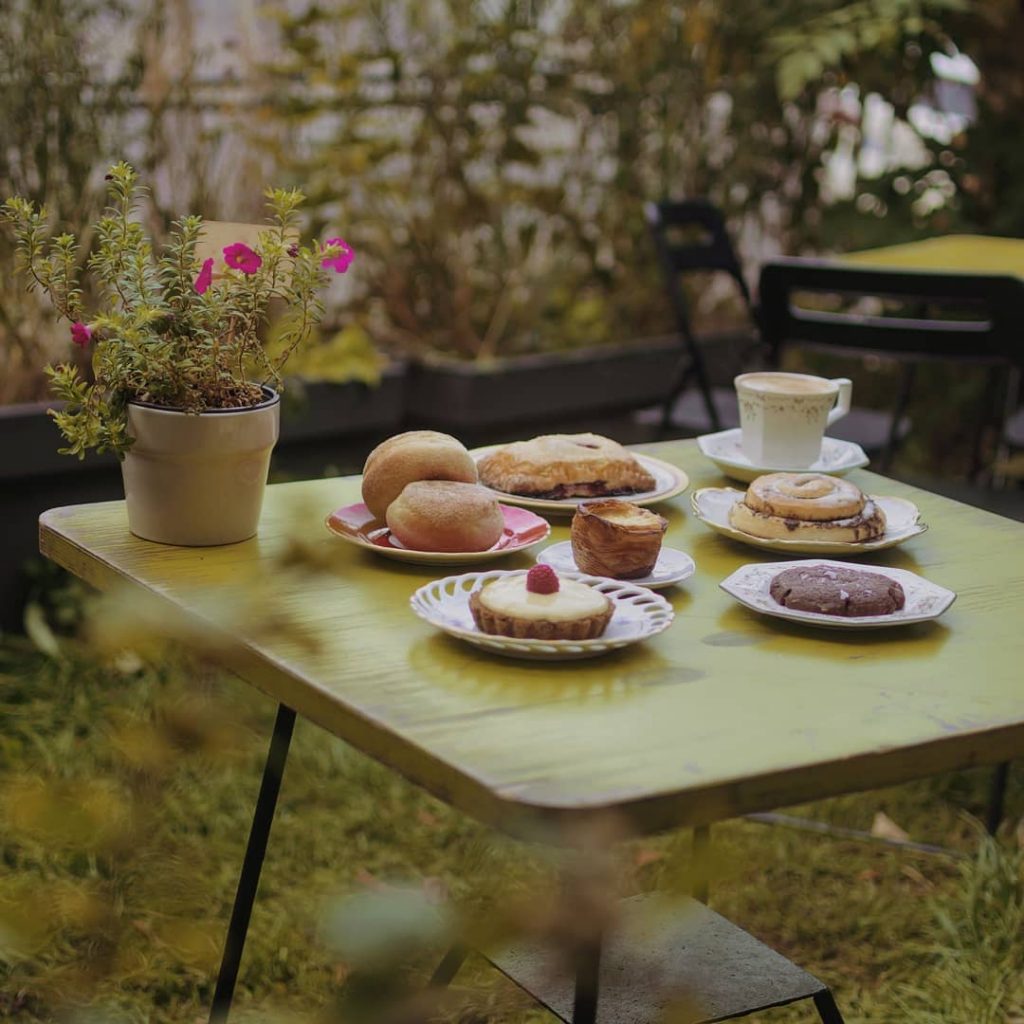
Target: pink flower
{"type": "Point", "coordinates": [81, 334]}
{"type": "Point", "coordinates": [240, 257]}
{"type": "Point", "coordinates": [205, 277]}
{"type": "Point", "coordinates": [340, 261]}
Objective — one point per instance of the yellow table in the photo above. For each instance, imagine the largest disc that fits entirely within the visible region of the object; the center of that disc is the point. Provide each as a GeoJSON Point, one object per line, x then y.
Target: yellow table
{"type": "Point", "coordinates": [727, 712]}
{"type": "Point", "coordinates": [981, 254]}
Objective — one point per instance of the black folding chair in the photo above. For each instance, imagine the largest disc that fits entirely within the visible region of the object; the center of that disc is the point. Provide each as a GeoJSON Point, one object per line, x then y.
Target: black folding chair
{"type": "Point", "coordinates": [691, 236]}
{"type": "Point", "coordinates": [909, 317]}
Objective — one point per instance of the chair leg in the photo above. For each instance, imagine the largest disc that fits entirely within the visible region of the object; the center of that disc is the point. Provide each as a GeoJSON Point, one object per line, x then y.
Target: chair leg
{"type": "Point", "coordinates": [825, 1004]}
{"type": "Point", "coordinates": [902, 404]}
{"type": "Point", "coordinates": [997, 798]}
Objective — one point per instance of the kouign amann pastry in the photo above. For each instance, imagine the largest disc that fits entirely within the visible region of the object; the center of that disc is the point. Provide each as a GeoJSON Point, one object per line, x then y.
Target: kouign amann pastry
{"type": "Point", "coordinates": [807, 506]}
{"type": "Point", "coordinates": [540, 605]}
{"type": "Point", "coordinates": [837, 590]}
{"type": "Point", "coordinates": [616, 538]}
{"type": "Point", "coordinates": [442, 515]}
{"type": "Point", "coordinates": [414, 455]}
{"type": "Point", "coordinates": [558, 466]}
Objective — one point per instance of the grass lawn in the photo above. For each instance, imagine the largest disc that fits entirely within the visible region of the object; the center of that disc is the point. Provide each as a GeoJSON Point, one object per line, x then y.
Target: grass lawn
{"type": "Point", "coordinates": [125, 800]}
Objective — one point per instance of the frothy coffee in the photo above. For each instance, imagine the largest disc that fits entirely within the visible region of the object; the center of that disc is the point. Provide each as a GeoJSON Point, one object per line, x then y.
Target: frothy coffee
{"type": "Point", "coordinates": [788, 384]}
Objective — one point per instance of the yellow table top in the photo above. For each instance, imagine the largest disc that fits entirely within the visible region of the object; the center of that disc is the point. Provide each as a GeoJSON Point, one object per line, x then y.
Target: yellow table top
{"type": "Point", "coordinates": [980, 254]}
{"type": "Point", "coordinates": [725, 713]}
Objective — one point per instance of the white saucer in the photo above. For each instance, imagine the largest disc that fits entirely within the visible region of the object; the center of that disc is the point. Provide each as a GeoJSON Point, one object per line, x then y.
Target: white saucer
{"type": "Point", "coordinates": [711, 506]}
{"type": "Point", "coordinates": [638, 614]}
{"type": "Point", "coordinates": [725, 450]}
{"type": "Point", "coordinates": [671, 567]}
{"type": "Point", "coordinates": [924, 600]}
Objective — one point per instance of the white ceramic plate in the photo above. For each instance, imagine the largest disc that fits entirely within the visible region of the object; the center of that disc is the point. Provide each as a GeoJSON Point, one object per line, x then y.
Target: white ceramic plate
{"type": "Point", "coordinates": [669, 481]}
{"type": "Point", "coordinates": [924, 600]}
{"type": "Point", "coordinates": [671, 567]}
{"type": "Point", "coordinates": [711, 506]}
{"type": "Point", "coordinates": [725, 450]}
{"type": "Point", "coordinates": [638, 614]}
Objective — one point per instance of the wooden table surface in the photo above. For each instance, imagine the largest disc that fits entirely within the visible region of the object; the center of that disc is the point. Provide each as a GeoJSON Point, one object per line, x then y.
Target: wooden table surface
{"type": "Point", "coordinates": [726, 712]}
{"type": "Point", "coordinates": [980, 254]}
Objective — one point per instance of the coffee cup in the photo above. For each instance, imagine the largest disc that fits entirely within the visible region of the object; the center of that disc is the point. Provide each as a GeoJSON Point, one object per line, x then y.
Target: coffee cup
{"type": "Point", "coordinates": [783, 416]}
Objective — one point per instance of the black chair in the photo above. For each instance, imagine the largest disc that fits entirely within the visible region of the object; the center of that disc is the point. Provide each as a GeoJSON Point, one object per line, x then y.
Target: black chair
{"type": "Point", "coordinates": [906, 316]}
{"type": "Point", "coordinates": [690, 236]}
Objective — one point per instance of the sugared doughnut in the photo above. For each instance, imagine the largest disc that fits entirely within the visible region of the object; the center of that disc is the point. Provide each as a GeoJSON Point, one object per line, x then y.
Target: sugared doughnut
{"type": "Point", "coordinates": [415, 455]}
{"type": "Point", "coordinates": [443, 515]}
{"type": "Point", "coordinates": [809, 497]}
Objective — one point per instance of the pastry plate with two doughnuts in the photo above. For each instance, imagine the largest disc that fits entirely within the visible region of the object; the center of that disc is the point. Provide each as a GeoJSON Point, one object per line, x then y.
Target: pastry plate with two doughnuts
{"type": "Point", "coordinates": [637, 614]}
{"type": "Point", "coordinates": [357, 525]}
{"type": "Point", "coordinates": [669, 481]}
{"type": "Point", "coordinates": [923, 600]}
{"type": "Point", "coordinates": [672, 566]}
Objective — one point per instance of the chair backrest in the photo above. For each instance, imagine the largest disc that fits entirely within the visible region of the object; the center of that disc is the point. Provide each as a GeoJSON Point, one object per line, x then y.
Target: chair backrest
{"type": "Point", "coordinates": [905, 314]}
{"type": "Point", "coordinates": [710, 250]}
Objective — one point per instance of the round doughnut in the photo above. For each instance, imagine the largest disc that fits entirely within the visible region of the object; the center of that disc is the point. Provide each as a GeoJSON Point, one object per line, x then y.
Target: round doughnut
{"type": "Point", "coordinates": [868, 524]}
{"type": "Point", "coordinates": [442, 515]}
{"type": "Point", "coordinates": [809, 497]}
{"type": "Point", "coordinates": [415, 455]}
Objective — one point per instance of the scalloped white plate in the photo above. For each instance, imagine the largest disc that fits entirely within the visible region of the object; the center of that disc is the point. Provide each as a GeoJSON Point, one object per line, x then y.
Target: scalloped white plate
{"type": "Point", "coordinates": [711, 506]}
{"type": "Point", "coordinates": [638, 614]}
{"type": "Point", "coordinates": [671, 567]}
{"type": "Point", "coordinates": [725, 450]}
{"type": "Point", "coordinates": [669, 481]}
{"type": "Point", "coordinates": [924, 600]}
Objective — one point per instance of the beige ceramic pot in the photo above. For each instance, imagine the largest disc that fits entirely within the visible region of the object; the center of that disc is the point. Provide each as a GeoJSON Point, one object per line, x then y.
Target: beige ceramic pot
{"type": "Point", "coordinates": [198, 480]}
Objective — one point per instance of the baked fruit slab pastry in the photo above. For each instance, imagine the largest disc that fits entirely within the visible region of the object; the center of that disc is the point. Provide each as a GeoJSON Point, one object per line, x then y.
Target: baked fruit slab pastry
{"type": "Point", "coordinates": [807, 506]}
{"type": "Point", "coordinates": [443, 515]}
{"type": "Point", "coordinates": [540, 605]}
{"type": "Point", "coordinates": [617, 539]}
{"type": "Point", "coordinates": [835, 590]}
{"type": "Point", "coordinates": [414, 455]}
{"type": "Point", "coordinates": [556, 466]}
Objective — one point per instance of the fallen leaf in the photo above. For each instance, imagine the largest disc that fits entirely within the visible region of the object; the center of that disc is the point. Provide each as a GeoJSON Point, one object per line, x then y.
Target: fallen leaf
{"type": "Point", "coordinates": [883, 827]}
{"type": "Point", "coordinates": [915, 876]}
{"type": "Point", "coordinates": [868, 875]}
{"type": "Point", "coordinates": [647, 856]}
{"type": "Point", "coordinates": [424, 817]}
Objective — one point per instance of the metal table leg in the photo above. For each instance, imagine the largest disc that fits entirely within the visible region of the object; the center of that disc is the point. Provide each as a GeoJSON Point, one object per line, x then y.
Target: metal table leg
{"type": "Point", "coordinates": [588, 970]}
{"type": "Point", "coordinates": [249, 879]}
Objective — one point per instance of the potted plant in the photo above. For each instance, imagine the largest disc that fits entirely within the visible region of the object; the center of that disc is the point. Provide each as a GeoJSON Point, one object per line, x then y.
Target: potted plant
{"type": "Point", "coordinates": [184, 390]}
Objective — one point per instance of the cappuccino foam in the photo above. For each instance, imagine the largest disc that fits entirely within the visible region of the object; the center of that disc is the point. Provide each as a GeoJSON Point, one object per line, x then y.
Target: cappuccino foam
{"type": "Point", "coordinates": [788, 384]}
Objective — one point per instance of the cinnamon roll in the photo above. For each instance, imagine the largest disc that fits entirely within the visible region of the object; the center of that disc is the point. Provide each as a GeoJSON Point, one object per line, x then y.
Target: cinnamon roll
{"type": "Point", "coordinates": [807, 506]}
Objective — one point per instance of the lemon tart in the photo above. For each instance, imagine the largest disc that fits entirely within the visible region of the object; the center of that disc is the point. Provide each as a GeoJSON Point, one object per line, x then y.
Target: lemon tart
{"type": "Point", "coordinates": [540, 605]}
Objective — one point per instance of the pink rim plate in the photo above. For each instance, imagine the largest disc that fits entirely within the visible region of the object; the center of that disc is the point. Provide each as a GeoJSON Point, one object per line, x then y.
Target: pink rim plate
{"type": "Point", "coordinates": [355, 523]}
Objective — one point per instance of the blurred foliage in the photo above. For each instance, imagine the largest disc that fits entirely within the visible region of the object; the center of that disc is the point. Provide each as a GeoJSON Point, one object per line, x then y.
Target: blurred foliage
{"type": "Point", "coordinates": [126, 788]}
{"type": "Point", "coordinates": [495, 157]}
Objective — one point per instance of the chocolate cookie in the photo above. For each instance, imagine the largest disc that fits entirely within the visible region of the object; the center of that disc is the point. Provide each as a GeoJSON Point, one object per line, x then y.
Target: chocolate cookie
{"type": "Point", "coordinates": [837, 590]}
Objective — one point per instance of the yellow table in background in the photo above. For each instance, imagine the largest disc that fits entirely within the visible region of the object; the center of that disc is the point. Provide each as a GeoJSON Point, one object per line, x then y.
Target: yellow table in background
{"type": "Point", "coordinates": [980, 254]}
{"type": "Point", "coordinates": [727, 712]}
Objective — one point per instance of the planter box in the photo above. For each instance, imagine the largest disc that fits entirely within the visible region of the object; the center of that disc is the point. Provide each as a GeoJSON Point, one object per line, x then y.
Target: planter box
{"type": "Point", "coordinates": [468, 397]}
{"type": "Point", "coordinates": [323, 410]}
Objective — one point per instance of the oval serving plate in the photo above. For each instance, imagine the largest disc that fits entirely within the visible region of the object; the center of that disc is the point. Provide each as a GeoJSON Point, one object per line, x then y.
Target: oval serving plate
{"type": "Point", "coordinates": [356, 524]}
{"type": "Point", "coordinates": [924, 600]}
{"type": "Point", "coordinates": [638, 614]}
{"type": "Point", "coordinates": [711, 506]}
{"type": "Point", "coordinates": [669, 481]}
{"type": "Point", "coordinates": [672, 566]}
